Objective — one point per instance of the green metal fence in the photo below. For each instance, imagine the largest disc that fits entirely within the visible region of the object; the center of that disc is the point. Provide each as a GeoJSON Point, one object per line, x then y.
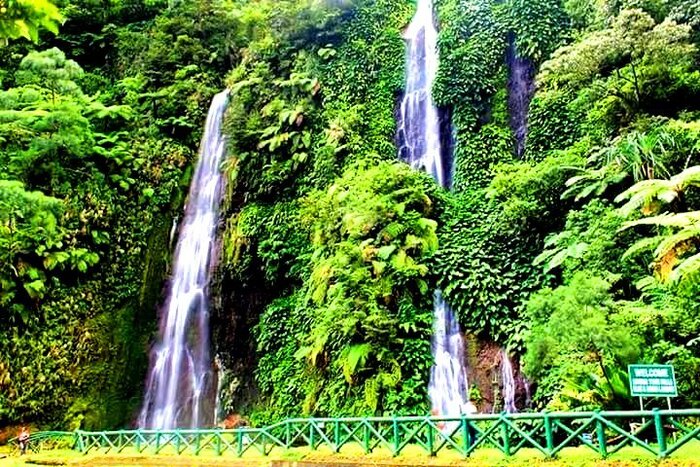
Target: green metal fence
{"type": "Point", "coordinates": [661, 432]}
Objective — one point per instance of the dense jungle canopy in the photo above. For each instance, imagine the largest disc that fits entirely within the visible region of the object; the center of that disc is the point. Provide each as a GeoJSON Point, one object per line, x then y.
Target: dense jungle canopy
{"type": "Point", "coordinates": [579, 252]}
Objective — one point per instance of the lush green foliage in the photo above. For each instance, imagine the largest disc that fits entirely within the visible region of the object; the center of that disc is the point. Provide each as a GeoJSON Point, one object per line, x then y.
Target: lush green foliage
{"type": "Point", "coordinates": [24, 18]}
{"type": "Point", "coordinates": [471, 47]}
{"type": "Point", "coordinates": [611, 109]}
{"type": "Point", "coordinates": [579, 321]}
{"type": "Point", "coordinates": [520, 244]}
{"type": "Point", "coordinates": [539, 26]}
{"type": "Point", "coordinates": [372, 234]}
{"type": "Point", "coordinates": [616, 92]}
{"type": "Point", "coordinates": [94, 155]}
{"type": "Point", "coordinates": [309, 125]}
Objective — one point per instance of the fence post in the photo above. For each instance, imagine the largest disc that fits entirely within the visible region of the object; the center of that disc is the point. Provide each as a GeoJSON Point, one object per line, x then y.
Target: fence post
{"type": "Point", "coordinates": [218, 443]}
{"type": "Point", "coordinates": [660, 435]}
{"type": "Point", "coordinates": [336, 435]}
{"type": "Point", "coordinates": [157, 442]}
{"type": "Point", "coordinates": [466, 435]}
{"type": "Point", "coordinates": [548, 434]}
{"type": "Point", "coordinates": [311, 435]}
{"type": "Point", "coordinates": [431, 439]}
{"type": "Point", "coordinates": [600, 431]}
{"type": "Point", "coordinates": [366, 439]}
{"type": "Point", "coordinates": [504, 434]}
{"type": "Point", "coordinates": [239, 442]}
{"type": "Point", "coordinates": [79, 441]}
{"type": "Point", "coordinates": [397, 441]}
{"type": "Point", "coordinates": [287, 434]}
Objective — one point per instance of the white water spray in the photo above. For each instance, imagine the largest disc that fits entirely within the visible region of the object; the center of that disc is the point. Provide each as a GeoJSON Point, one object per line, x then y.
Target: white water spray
{"type": "Point", "coordinates": [173, 230]}
{"type": "Point", "coordinates": [180, 381]}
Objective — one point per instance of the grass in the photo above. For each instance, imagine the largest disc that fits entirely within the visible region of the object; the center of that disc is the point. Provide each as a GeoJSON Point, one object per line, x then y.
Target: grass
{"type": "Point", "coordinates": [352, 455]}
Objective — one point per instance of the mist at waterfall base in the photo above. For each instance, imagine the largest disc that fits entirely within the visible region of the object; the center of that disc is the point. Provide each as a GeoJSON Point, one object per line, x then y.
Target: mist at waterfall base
{"type": "Point", "coordinates": [181, 381]}
{"type": "Point", "coordinates": [420, 145]}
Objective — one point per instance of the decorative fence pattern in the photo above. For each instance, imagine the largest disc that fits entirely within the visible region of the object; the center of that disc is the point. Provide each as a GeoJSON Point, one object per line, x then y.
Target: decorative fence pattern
{"type": "Point", "coordinates": [661, 432]}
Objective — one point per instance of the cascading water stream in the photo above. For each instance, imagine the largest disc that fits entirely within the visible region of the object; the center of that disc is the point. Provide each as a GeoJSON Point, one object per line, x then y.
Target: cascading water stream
{"type": "Point", "coordinates": [420, 146]}
{"type": "Point", "coordinates": [173, 230]}
{"type": "Point", "coordinates": [220, 375]}
{"type": "Point", "coordinates": [419, 120]}
{"type": "Point", "coordinates": [521, 87]}
{"type": "Point", "coordinates": [449, 386]}
{"type": "Point", "coordinates": [508, 382]}
{"type": "Point", "coordinates": [180, 380]}
{"type": "Point", "coordinates": [526, 385]}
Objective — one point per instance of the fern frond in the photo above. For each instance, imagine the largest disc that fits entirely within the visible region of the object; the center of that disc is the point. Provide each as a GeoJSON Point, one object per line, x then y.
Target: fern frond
{"type": "Point", "coordinates": [689, 177]}
{"type": "Point", "coordinates": [644, 244]}
{"type": "Point", "coordinates": [645, 283]}
{"type": "Point", "coordinates": [643, 195]}
{"type": "Point", "coordinates": [687, 268]}
{"type": "Point", "coordinates": [677, 242]}
{"type": "Point", "coordinates": [684, 219]}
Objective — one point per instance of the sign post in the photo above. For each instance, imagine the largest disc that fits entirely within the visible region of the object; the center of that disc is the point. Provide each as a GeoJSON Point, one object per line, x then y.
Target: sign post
{"type": "Point", "coordinates": [652, 381]}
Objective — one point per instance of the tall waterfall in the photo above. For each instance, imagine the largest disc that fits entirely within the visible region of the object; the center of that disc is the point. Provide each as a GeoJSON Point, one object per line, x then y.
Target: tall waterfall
{"type": "Point", "coordinates": [420, 146]}
{"type": "Point", "coordinates": [419, 122]}
{"type": "Point", "coordinates": [508, 382]}
{"type": "Point", "coordinates": [180, 382]}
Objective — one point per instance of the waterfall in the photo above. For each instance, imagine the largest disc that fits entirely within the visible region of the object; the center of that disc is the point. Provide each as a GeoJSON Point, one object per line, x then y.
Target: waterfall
{"type": "Point", "coordinates": [508, 383]}
{"type": "Point", "coordinates": [526, 386]}
{"type": "Point", "coordinates": [420, 146]}
{"type": "Point", "coordinates": [180, 381]}
{"type": "Point", "coordinates": [449, 386]}
{"type": "Point", "coordinates": [520, 90]}
{"type": "Point", "coordinates": [173, 230]}
{"type": "Point", "coordinates": [220, 376]}
{"type": "Point", "coordinates": [419, 120]}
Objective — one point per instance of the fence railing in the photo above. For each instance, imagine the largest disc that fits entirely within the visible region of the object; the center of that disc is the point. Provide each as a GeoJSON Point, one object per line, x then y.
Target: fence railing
{"type": "Point", "coordinates": [661, 432]}
{"type": "Point", "coordinates": [48, 440]}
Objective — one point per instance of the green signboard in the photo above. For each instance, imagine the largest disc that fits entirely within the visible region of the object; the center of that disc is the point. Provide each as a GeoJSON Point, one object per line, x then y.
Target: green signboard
{"type": "Point", "coordinates": [652, 381]}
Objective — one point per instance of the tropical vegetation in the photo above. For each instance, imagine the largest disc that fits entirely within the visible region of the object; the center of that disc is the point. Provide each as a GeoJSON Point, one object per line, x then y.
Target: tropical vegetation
{"type": "Point", "coordinates": [580, 254]}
